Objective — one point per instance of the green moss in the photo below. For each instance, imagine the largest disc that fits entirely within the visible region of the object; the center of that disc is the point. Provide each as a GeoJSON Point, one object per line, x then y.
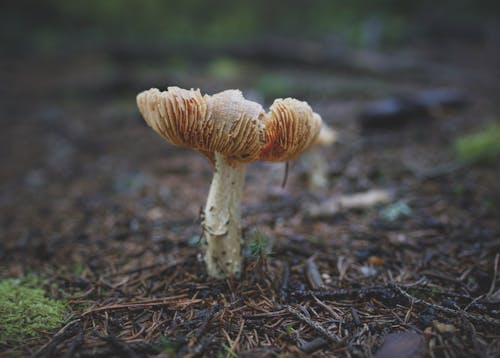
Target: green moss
{"type": "Point", "coordinates": [480, 147]}
{"type": "Point", "coordinates": [25, 311]}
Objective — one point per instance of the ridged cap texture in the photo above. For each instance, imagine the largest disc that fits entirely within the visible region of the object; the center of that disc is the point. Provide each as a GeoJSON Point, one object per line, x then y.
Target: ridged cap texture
{"type": "Point", "coordinates": [229, 124]}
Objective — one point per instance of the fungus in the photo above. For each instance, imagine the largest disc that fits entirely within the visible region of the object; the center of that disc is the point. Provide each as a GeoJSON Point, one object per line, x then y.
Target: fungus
{"type": "Point", "coordinates": [231, 132]}
{"type": "Point", "coordinates": [314, 159]}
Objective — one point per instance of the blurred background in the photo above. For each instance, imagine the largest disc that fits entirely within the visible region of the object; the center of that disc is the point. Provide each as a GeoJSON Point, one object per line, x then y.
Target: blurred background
{"type": "Point", "coordinates": [401, 82]}
{"type": "Point", "coordinates": [105, 211]}
{"type": "Point", "coordinates": [58, 24]}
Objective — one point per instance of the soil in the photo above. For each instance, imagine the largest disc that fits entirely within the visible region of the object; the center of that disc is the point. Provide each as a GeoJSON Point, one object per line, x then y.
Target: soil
{"type": "Point", "coordinates": [109, 214]}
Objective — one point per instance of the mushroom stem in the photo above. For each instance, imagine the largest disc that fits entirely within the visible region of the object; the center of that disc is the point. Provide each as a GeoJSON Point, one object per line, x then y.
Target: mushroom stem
{"type": "Point", "coordinates": [222, 222]}
{"type": "Point", "coordinates": [317, 168]}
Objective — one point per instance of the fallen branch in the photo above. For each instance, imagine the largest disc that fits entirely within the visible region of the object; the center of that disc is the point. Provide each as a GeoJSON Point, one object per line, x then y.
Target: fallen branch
{"type": "Point", "coordinates": [380, 290]}
{"type": "Point", "coordinates": [68, 331]}
{"type": "Point", "coordinates": [365, 291]}
{"type": "Point", "coordinates": [197, 342]}
{"type": "Point", "coordinates": [106, 350]}
{"type": "Point", "coordinates": [122, 348]}
{"type": "Point", "coordinates": [459, 313]}
{"type": "Point", "coordinates": [284, 282]}
{"type": "Point", "coordinates": [174, 300]}
{"type": "Point", "coordinates": [75, 344]}
{"type": "Point", "coordinates": [332, 338]}
{"type": "Point", "coordinates": [314, 345]}
{"type": "Point", "coordinates": [313, 275]}
{"type": "Point", "coordinates": [264, 315]}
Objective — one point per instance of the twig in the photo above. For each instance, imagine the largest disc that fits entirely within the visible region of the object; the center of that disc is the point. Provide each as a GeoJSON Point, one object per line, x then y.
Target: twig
{"type": "Point", "coordinates": [371, 291]}
{"type": "Point", "coordinates": [365, 291]}
{"type": "Point", "coordinates": [326, 307]}
{"type": "Point", "coordinates": [68, 331]}
{"type": "Point", "coordinates": [238, 337]}
{"type": "Point", "coordinates": [312, 274]}
{"type": "Point", "coordinates": [314, 325]}
{"type": "Point", "coordinates": [264, 315]}
{"type": "Point", "coordinates": [355, 316]}
{"type": "Point", "coordinates": [77, 342]}
{"type": "Point", "coordinates": [197, 343]}
{"type": "Point", "coordinates": [204, 324]}
{"type": "Point", "coordinates": [495, 273]}
{"type": "Point", "coordinates": [162, 302]}
{"type": "Point", "coordinates": [443, 293]}
{"type": "Point", "coordinates": [284, 282]}
{"type": "Point", "coordinates": [314, 345]}
{"type": "Point", "coordinates": [461, 313]}
{"type": "Point", "coordinates": [121, 347]}
{"type": "Point", "coordinates": [143, 347]}
{"type": "Point", "coordinates": [200, 347]}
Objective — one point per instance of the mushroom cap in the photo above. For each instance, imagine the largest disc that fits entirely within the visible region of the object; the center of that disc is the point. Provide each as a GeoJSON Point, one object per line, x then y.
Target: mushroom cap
{"type": "Point", "coordinates": [291, 128]}
{"type": "Point", "coordinates": [236, 126]}
{"type": "Point", "coordinates": [177, 114]}
{"type": "Point", "coordinates": [229, 124]}
{"type": "Point", "coordinates": [225, 123]}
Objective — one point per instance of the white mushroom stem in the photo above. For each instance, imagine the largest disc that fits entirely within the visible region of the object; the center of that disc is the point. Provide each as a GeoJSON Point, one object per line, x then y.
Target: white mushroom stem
{"type": "Point", "coordinates": [315, 160]}
{"type": "Point", "coordinates": [316, 167]}
{"type": "Point", "coordinates": [222, 222]}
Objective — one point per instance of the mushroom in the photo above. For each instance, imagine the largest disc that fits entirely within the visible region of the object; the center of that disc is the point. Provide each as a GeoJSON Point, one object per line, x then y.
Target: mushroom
{"type": "Point", "coordinates": [231, 132]}
{"type": "Point", "coordinates": [314, 159]}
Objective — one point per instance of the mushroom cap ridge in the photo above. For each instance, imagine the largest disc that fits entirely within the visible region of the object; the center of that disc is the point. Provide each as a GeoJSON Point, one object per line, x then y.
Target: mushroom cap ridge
{"type": "Point", "coordinates": [291, 128]}
{"type": "Point", "coordinates": [229, 124]}
{"type": "Point", "coordinates": [225, 122]}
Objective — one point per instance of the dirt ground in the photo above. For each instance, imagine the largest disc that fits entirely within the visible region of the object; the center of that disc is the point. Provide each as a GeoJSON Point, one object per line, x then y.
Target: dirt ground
{"type": "Point", "coordinates": [106, 211]}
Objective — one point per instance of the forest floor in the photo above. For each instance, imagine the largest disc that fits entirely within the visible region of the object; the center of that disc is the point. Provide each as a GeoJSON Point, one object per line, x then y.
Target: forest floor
{"type": "Point", "coordinates": [108, 215]}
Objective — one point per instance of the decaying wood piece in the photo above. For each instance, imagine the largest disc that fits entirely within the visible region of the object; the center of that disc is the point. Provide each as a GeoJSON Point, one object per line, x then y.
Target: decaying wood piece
{"type": "Point", "coordinates": [361, 200]}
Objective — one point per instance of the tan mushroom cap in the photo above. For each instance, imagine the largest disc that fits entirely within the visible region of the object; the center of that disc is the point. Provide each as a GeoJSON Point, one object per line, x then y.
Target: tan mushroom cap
{"type": "Point", "coordinates": [236, 126]}
{"type": "Point", "coordinates": [176, 114]}
{"type": "Point", "coordinates": [291, 128]}
{"type": "Point", "coordinates": [229, 124]}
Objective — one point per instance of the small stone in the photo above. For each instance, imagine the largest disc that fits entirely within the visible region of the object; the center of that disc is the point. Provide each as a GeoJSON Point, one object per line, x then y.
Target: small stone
{"type": "Point", "coordinates": [402, 344]}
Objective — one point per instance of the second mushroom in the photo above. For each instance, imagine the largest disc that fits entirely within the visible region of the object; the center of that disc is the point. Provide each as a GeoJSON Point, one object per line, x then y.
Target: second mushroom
{"type": "Point", "coordinates": [231, 132]}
